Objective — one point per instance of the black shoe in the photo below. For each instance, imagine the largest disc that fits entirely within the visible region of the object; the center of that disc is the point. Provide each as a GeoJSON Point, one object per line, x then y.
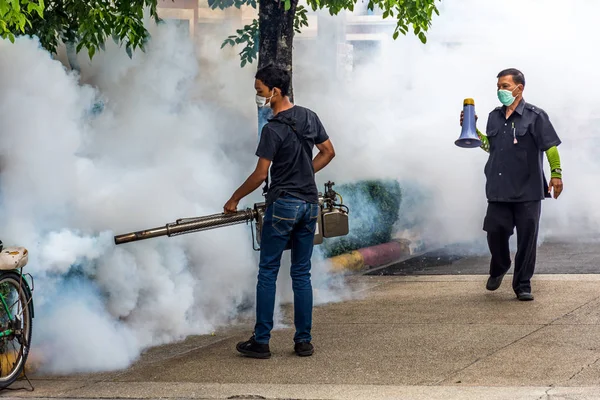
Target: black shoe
{"type": "Point", "coordinates": [304, 349]}
{"type": "Point", "coordinates": [524, 296]}
{"type": "Point", "coordinates": [494, 283]}
{"type": "Point", "coordinates": [253, 349]}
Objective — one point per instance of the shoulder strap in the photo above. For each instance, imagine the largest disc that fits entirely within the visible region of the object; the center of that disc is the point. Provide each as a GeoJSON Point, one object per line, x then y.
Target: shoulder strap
{"type": "Point", "coordinates": [291, 124]}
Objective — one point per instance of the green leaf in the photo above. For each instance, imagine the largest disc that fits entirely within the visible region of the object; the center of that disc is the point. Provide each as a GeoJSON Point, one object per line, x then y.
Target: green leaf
{"type": "Point", "coordinates": [247, 36]}
{"type": "Point", "coordinates": [21, 22]}
{"type": "Point", "coordinates": [3, 9]}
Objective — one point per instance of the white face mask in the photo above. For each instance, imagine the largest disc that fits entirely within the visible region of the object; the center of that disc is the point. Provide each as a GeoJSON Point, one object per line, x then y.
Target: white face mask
{"type": "Point", "coordinates": [263, 101]}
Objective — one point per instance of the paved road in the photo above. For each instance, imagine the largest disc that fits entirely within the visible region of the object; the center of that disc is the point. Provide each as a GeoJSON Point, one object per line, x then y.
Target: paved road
{"type": "Point", "coordinates": [572, 256]}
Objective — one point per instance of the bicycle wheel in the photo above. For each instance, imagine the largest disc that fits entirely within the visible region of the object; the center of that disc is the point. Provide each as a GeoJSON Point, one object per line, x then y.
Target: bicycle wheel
{"type": "Point", "coordinates": [15, 326]}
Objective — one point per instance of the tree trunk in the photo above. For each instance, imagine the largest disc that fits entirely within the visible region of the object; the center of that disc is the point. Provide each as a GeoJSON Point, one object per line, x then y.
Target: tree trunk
{"type": "Point", "coordinates": [276, 39]}
{"type": "Point", "coordinates": [276, 35]}
{"type": "Point", "coordinates": [72, 56]}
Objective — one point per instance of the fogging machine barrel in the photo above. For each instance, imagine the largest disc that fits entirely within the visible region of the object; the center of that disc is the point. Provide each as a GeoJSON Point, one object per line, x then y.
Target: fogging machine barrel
{"type": "Point", "coordinates": [332, 221]}
{"type": "Point", "coordinates": [188, 225]}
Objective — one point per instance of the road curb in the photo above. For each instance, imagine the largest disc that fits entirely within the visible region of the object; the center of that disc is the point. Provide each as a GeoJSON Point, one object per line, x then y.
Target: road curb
{"type": "Point", "coordinates": [371, 257]}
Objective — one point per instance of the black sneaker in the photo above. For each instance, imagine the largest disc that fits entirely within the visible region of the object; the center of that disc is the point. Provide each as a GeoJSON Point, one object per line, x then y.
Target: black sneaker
{"type": "Point", "coordinates": [524, 296]}
{"type": "Point", "coordinates": [253, 349]}
{"type": "Point", "coordinates": [304, 349]}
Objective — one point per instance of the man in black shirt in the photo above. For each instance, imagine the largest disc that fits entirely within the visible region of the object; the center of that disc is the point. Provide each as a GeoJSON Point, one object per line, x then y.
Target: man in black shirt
{"type": "Point", "coordinates": [518, 133]}
{"type": "Point", "coordinates": [286, 141]}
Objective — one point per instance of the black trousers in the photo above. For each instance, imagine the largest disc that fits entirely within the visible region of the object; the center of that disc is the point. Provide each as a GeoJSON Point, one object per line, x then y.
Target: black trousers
{"type": "Point", "coordinates": [500, 220]}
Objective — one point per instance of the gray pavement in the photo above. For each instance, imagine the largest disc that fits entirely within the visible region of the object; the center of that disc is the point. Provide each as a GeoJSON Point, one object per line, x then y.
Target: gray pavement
{"type": "Point", "coordinates": [408, 337]}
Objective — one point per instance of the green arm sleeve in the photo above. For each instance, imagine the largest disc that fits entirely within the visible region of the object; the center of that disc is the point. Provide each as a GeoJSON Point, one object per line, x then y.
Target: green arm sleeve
{"type": "Point", "coordinates": [554, 161]}
{"type": "Point", "coordinates": [485, 143]}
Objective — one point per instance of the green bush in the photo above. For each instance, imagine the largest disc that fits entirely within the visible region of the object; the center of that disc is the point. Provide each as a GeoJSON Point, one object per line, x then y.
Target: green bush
{"type": "Point", "coordinates": [374, 207]}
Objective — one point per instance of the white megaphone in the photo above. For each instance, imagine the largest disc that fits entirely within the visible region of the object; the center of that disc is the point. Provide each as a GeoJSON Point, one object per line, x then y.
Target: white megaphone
{"type": "Point", "coordinates": [468, 136]}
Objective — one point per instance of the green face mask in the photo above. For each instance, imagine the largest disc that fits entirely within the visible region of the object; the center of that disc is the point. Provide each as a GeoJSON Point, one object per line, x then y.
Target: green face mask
{"type": "Point", "coordinates": [506, 97]}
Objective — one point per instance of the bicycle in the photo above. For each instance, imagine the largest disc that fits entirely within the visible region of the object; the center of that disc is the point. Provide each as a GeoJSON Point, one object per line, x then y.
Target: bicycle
{"type": "Point", "coordinates": [16, 313]}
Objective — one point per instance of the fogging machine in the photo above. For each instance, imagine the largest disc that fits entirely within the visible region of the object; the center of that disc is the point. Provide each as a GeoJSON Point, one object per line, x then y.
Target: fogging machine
{"type": "Point", "coordinates": [332, 221]}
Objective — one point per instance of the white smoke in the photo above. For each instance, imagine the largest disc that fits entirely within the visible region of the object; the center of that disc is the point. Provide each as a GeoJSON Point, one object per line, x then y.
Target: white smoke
{"type": "Point", "coordinates": [171, 134]}
{"type": "Point", "coordinates": [399, 116]}
{"type": "Point", "coordinates": [128, 145]}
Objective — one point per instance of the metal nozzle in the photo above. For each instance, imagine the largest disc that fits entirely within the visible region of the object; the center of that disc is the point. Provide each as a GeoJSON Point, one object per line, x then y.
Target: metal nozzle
{"type": "Point", "coordinates": [141, 235]}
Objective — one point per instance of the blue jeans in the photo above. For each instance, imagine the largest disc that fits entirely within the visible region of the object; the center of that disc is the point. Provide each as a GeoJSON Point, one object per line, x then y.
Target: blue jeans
{"type": "Point", "coordinates": [293, 220]}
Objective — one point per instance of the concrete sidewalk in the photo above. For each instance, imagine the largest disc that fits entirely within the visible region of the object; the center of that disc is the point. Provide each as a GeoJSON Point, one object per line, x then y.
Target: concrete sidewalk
{"type": "Point", "coordinates": [416, 337]}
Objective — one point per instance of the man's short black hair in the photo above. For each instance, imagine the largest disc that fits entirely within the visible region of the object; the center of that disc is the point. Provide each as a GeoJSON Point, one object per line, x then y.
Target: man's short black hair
{"type": "Point", "coordinates": [517, 75]}
{"type": "Point", "coordinates": [273, 76]}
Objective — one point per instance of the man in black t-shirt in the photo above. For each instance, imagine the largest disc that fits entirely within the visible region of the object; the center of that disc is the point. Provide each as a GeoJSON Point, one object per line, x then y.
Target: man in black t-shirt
{"type": "Point", "coordinates": [286, 142]}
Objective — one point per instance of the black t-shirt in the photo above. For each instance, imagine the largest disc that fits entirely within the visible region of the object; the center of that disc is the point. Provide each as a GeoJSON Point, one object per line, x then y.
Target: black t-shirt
{"type": "Point", "coordinates": [292, 170]}
{"type": "Point", "coordinates": [515, 171]}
